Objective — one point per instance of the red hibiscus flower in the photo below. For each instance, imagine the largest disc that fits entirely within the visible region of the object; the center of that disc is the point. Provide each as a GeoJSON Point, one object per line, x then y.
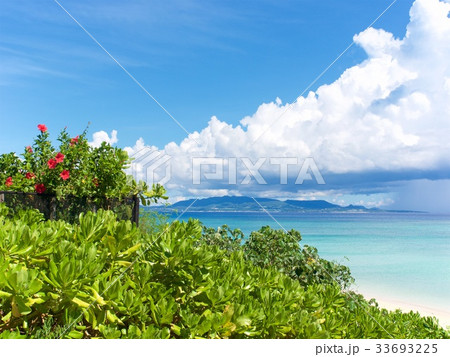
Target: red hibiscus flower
{"type": "Point", "coordinates": [52, 163]}
{"type": "Point", "coordinates": [59, 158]}
{"type": "Point", "coordinates": [40, 188]}
{"type": "Point", "coordinates": [95, 181]}
{"type": "Point", "coordinates": [42, 128]}
{"type": "Point", "coordinates": [65, 175]}
{"type": "Point", "coordinates": [9, 181]}
{"type": "Point", "coordinates": [29, 149]}
{"type": "Point", "coordinates": [29, 175]}
{"type": "Point", "coordinates": [74, 140]}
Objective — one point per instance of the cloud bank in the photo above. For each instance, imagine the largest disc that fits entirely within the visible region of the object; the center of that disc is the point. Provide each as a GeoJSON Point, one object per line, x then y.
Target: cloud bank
{"type": "Point", "coordinates": [389, 114]}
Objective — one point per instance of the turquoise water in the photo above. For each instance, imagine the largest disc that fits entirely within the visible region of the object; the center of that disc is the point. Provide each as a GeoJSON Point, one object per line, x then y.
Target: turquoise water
{"type": "Point", "coordinates": [401, 256]}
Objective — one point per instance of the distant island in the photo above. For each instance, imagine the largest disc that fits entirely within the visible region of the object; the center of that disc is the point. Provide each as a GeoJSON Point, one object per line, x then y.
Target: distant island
{"type": "Point", "coordinates": [248, 204]}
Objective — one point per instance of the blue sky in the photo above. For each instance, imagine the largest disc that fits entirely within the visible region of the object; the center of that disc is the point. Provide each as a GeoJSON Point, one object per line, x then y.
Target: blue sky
{"type": "Point", "coordinates": [198, 58]}
{"type": "Point", "coordinates": [225, 59]}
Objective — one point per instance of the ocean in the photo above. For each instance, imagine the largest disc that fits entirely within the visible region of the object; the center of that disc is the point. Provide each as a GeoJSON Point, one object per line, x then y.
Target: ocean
{"type": "Point", "coordinates": [400, 256]}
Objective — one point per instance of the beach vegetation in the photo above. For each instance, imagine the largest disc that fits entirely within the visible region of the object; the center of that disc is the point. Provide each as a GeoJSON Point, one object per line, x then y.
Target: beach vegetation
{"type": "Point", "coordinates": [104, 278]}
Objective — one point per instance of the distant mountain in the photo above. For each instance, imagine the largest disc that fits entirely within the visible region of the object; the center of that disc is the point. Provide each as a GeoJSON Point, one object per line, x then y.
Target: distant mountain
{"type": "Point", "coordinates": [248, 204]}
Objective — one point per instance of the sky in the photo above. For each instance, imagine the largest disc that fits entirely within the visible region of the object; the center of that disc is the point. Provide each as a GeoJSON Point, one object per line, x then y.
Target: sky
{"type": "Point", "coordinates": [268, 86]}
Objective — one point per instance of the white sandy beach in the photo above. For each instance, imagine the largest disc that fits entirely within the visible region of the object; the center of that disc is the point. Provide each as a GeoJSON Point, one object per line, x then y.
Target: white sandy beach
{"type": "Point", "coordinates": [391, 304]}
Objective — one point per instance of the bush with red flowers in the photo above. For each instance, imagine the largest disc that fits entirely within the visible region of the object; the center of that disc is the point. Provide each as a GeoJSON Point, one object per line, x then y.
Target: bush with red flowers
{"type": "Point", "coordinates": [73, 169]}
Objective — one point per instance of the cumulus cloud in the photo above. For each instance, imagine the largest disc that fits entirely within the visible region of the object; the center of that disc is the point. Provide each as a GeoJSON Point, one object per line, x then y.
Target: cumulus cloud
{"type": "Point", "coordinates": [389, 113]}
{"type": "Point", "coordinates": [102, 136]}
{"type": "Point", "coordinates": [146, 161]}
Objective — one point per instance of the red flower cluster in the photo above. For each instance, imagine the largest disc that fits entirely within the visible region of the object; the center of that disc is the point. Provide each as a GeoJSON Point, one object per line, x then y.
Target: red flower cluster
{"type": "Point", "coordinates": [65, 174]}
{"type": "Point", "coordinates": [51, 163]}
{"type": "Point", "coordinates": [57, 160]}
{"type": "Point", "coordinates": [74, 140]}
{"type": "Point", "coordinates": [29, 175]}
{"type": "Point", "coordinates": [40, 188]}
{"type": "Point", "coordinates": [42, 128]}
{"type": "Point", "coordinates": [9, 181]}
{"type": "Point", "coordinates": [29, 149]}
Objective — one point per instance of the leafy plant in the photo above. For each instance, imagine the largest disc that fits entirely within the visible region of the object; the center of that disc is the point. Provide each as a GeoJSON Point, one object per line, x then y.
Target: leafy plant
{"type": "Point", "coordinates": [73, 169]}
{"type": "Point", "coordinates": [103, 278]}
{"type": "Point", "coordinates": [152, 222]}
{"type": "Point", "coordinates": [224, 237]}
{"type": "Point", "coordinates": [268, 247]}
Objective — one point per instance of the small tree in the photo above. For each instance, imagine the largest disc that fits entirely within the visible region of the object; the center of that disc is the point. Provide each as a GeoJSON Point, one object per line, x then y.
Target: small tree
{"type": "Point", "coordinates": [269, 247]}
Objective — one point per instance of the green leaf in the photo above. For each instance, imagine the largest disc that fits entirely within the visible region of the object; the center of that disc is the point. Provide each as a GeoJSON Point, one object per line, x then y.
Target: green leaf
{"type": "Point", "coordinates": [19, 307]}
{"type": "Point", "coordinates": [75, 334]}
{"type": "Point", "coordinates": [80, 302]}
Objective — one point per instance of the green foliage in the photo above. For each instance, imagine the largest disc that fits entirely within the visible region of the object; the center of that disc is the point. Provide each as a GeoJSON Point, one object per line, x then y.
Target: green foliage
{"type": "Point", "coordinates": [281, 250]}
{"type": "Point", "coordinates": [105, 278]}
{"type": "Point", "coordinates": [152, 222]}
{"type": "Point", "coordinates": [224, 237]}
{"type": "Point", "coordinates": [275, 248]}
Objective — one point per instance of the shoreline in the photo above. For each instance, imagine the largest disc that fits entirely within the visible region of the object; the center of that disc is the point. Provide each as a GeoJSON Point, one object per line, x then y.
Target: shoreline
{"type": "Point", "coordinates": [391, 304]}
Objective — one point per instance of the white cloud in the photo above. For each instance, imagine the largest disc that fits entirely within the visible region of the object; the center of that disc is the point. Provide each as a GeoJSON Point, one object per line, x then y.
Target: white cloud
{"type": "Point", "coordinates": [144, 157]}
{"type": "Point", "coordinates": [102, 136]}
{"type": "Point", "coordinates": [391, 112]}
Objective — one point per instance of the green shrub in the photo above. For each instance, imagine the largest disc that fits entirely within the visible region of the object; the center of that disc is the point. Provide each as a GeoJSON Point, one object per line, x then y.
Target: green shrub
{"type": "Point", "coordinates": [281, 250]}
{"type": "Point", "coordinates": [224, 237]}
{"type": "Point", "coordinates": [105, 278]}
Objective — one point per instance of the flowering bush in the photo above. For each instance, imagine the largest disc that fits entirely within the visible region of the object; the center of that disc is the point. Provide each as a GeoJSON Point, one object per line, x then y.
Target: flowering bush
{"type": "Point", "coordinates": [74, 169]}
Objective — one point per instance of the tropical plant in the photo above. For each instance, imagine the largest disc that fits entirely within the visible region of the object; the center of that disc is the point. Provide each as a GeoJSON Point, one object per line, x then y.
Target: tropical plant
{"type": "Point", "coordinates": [152, 222]}
{"type": "Point", "coordinates": [103, 278]}
{"type": "Point", "coordinates": [73, 169]}
{"type": "Point", "coordinates": [223, 237]}
{"type": "Point", "coordinates": [280, 249]}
